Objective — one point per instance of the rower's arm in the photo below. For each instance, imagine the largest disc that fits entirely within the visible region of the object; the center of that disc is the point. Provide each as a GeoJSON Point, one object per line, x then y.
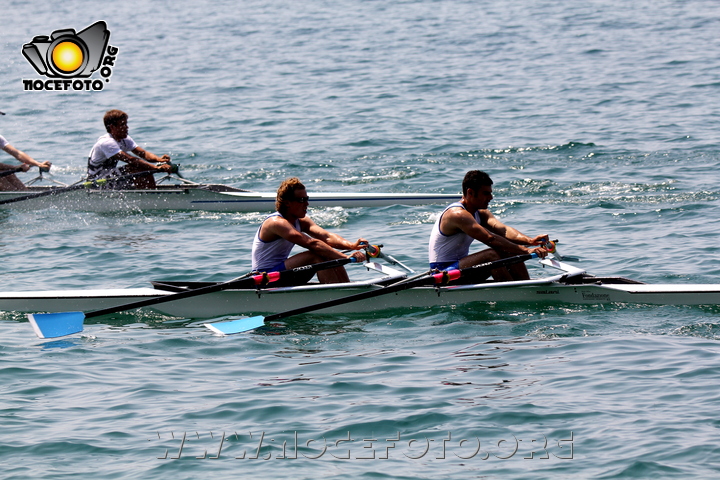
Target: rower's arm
{"type": "Point", "coordinates": [332, 239]}
{"type": "Point", "coordinates": [24, 157]}
{"type": "Point", "coordinates": [149, 156]}
{"type": "Point", "coordinates": [460, 220]}
{"type": "Point", "coordinates": [124, 157]}
{"type": "Point", "coordinates": [510, 233]}
{"type": "Point", "coordinates": [279, 227]}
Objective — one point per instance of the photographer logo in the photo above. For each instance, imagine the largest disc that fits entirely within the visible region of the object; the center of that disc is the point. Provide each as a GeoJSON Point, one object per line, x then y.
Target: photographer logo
{"type": "Point", "coordinates": [68, 59]}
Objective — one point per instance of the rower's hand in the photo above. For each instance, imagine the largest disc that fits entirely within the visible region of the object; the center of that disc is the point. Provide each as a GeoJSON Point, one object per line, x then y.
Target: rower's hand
{"type": "Point", "coordinates": [359, 256]}
{"type": "Point", "coordinates": [361, 243]}
{"type": "Point", "coordinates": [46, 165]}
{"type": "Point", "coordinates": [540, 251]}
{"type": "Point", "coordinates": [164, 159]}
{"type": "Point", "coordinates": [164, 167]}
{"type": "Point", "coordinates": [540, 240]}
{"type": "Point", "coordinates": [24, 167]}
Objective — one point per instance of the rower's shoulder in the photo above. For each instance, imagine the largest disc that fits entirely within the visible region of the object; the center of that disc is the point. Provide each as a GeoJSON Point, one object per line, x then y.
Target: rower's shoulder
{"type": "Point", "coordinates": [456, 210]}
{"type": "Point", "coordinates": [104, 141]}
{"type": "Point", "coordinates": [274, 219]}
{"type": "Point", "coordinates": [274, 227]}
{"type": "Point", "coordinates": [278, 222]}
{"type": "Point", "coordinates": [462, 219]}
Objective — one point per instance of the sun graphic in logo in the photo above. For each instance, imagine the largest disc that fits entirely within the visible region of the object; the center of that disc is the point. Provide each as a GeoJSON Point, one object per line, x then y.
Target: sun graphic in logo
{"type": "Point", "coordinates": [67, 56]}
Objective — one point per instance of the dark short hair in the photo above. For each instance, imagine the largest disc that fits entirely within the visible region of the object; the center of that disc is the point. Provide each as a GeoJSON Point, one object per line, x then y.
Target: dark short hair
{"type": "Point", "coordinates": [286, 192]}
{"type": "Point", "coordinates": [113, 117]}
{"type": "Point", "coordinates": [475, 179]}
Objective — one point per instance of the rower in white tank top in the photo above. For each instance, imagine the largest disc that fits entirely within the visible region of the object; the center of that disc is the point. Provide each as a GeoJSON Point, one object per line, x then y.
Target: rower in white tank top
{"type": "Point", "coordinates": [445, 251]}
{"type": "Point", "coordinates": [271, 256]}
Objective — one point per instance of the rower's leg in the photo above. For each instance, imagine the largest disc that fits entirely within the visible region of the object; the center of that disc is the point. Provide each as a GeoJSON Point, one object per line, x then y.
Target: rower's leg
{"type": "Point", "coordinates": [499, 274]}
{"type": "Point", "coordinates": [11, 183]}
{"type": "Point", "coordinates": [332, 275]}
{"type": "Point", "coordinates": [519, 272]}
{"type": "Point", "coordinates": [142, 182]}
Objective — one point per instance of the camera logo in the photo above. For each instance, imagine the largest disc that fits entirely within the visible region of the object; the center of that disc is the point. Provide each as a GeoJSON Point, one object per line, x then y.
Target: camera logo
{"type": "Point", "coordinates": [68, 57]}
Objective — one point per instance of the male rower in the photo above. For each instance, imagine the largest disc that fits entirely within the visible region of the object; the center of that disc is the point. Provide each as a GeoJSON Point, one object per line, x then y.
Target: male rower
{"type": "Point", "coordinates": [11, 182]}
{"type": "Point", "coordinates": [291, 226]}
{"type": "Point", "coordinates": [469, 219]}
{"type": "Point", "coordinates": [113, 147]}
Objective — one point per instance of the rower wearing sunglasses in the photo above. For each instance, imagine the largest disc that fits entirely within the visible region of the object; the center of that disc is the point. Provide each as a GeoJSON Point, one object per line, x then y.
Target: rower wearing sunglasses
{"type": "Point", "coordinates": [291, 226]}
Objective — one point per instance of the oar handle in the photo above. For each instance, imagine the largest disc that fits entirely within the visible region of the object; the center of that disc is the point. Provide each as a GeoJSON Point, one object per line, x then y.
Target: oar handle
{"type": "Point", "coordinates": [428, 279]}
{"type": "Point", "coordinates": [480, 270]}
{"type": "Point", "coordinates": [265, 278]}
{"type": "Point", "coordinates": [6, 173]}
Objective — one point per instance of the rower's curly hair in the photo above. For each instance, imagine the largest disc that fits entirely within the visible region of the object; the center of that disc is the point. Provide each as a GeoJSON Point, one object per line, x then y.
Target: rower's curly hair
{"type": "Point", "coordinates": [286, 192]}
{"type": "Point", "coordinates": [113, 117]}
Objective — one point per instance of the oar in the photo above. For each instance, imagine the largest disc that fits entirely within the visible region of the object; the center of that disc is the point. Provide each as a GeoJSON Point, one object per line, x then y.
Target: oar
{"type": "Point", "coordinates": [5, 173]}
{"type": "Point", "coordinates": [429, 278]}
{"type": "Point", "coordinates": [51, 325]}
{"type": "Point", "coordinates": [79, 186]}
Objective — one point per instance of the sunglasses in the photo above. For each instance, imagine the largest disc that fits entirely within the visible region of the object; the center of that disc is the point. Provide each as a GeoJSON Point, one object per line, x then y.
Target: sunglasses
{"type": "Point", "coordinates": [301, 199]}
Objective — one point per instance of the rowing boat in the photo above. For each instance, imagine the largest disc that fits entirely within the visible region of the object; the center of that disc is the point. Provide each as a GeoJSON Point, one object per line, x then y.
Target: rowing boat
{"type": "Point", "coordinates": [568, 285]}
{"type": "Point", "coordinates": [189, 195]}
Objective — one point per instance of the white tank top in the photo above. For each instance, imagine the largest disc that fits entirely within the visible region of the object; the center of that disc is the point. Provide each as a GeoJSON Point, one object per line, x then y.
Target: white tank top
{"type": "Point", "coordinates": [449, 248]}
{"type": "Point", "coordinates": [269, 254]}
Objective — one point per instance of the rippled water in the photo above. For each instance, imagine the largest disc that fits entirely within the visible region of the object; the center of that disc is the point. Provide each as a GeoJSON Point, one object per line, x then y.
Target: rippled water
{"type": "Point", "coordinates": [596, 120]}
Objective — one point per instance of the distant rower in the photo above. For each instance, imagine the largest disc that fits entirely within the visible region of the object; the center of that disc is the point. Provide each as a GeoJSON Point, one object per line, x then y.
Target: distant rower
{"type": "Point", "coordinates": [112, 148]}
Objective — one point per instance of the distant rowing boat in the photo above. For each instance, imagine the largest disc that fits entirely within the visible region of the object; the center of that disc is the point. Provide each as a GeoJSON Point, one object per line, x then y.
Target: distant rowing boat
{"type": "Point", "coordinates": [194, 196]}
{"type": "Point", "coordinates": [570, 286]}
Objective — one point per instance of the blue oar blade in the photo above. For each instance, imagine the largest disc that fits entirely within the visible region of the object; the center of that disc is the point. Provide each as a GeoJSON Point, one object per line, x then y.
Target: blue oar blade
{"type": "Point", "coordinates": [52, 325]}
{"type": "Point", "coordinates": [236, 326]}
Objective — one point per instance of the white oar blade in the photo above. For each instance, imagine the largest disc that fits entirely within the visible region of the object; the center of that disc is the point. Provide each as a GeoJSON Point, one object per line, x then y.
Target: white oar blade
{"type": "Point", "coordinates": [53, 325]}
{"type": "Point", "coordinates": [236, 326]}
